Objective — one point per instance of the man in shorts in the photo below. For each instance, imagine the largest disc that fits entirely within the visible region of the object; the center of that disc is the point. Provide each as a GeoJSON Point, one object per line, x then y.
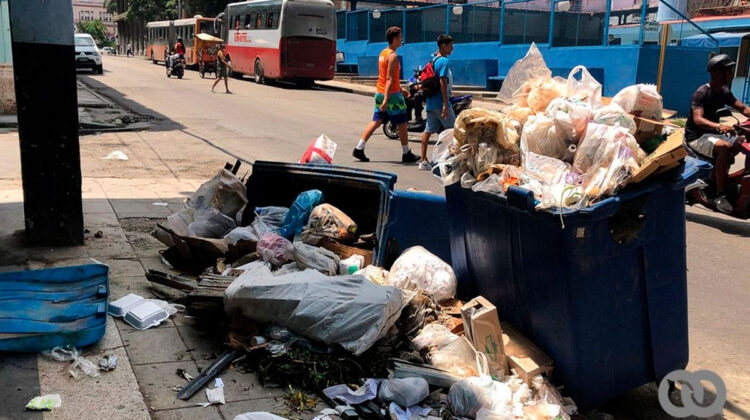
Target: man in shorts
{"type": "Point", "coordinates": [440, 115]}
{"type": "Point", "coordinates": [706, 135]}
{"type": "Point", "coordinates": [389, 99]}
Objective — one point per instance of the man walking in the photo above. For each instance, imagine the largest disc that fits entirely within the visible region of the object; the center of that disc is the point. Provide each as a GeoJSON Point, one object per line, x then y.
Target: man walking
{"type": "Point", "coordinates": [389, 99]}
{"type": "Point", "coordinates": [129, 50]}
{"type": "Point", "coordinates": [440, 115]}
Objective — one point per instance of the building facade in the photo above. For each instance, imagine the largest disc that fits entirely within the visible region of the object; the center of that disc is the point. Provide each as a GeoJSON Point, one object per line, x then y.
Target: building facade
{"type": "Point", "coordinates": [129, 31]}
{"type": "Point", "coordinates": [86, 10]}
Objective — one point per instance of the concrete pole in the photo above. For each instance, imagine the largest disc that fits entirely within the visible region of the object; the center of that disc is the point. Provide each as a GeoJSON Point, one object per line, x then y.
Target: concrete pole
{"type": "Point", "coordinates": [46, 96]}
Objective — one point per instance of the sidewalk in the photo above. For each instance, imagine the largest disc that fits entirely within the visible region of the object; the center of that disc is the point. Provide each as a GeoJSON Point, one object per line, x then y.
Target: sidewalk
{"type": "Point", "coordinates": [118, 200]}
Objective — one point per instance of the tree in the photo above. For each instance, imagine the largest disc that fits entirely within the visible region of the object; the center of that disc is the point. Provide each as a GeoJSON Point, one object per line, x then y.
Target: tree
{"type": "Point", "coordinates": [151, 10]}
{"type": "Point", "coordinates": [96, 29]}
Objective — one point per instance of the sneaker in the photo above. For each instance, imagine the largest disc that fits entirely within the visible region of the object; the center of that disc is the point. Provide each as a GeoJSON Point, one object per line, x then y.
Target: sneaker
{"type": "Point", "coordinates": [409, 157]}
{"type": "Point", "coordinates": [723, 205]}
{"type": "Point", "coordinates": [360, 154]}
{"type": "Point", "coordinates": [424, 166]}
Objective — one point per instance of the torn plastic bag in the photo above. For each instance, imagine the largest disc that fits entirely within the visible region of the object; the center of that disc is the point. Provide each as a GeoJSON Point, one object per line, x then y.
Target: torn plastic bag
{"type": "Point", "coordinates": [442, 149]}
{"type": "Point", "coordinates": [545, 169]}
{"type": "Point", "coordinates": [274, 249]}
{"type": "Point", "coordinates": [543, 91]}
{"type": "Point", "coordinates": [457, 357]}
{"type": "Point", "coordinates": [347, 310]}
{"type": "Point", "coordinates": [320, 151]}
{"type": "Point", "coordinates": [71, 354]}
{"type": "Point", "coordinates": [492, 184]}
{"type": "Point", "coordinates": [316, 258]}
{"type": "Point", "coordinates": [224, 192]}
{"type": "Point", "coordinates": [433, 335]}
{"type": "Point", "coordinates": [405, 392]}
{"type": "Point", "coordinates": [268, 219]}
{"type": "Point", "coordinates": [375, 274]}
{"type": "Point", "coordinates": [596, 135]}
{"type": "Point", "coordinates": [540, 136]}
{"type": "Point", "coordinates": [642, 100]}
{"type": "Point", "coordinates": [330, 222]}
{"type": "Point", "coordinates": [419, 269]}
{"type": "Point", "coordinates": [467, 396]}
{"type": "Point", "coordinates": [588, 89]}
{"type": "Point", "coordinates": [299, 213]}
{"type": "Point", "coordinates": [518, 113]}
{"type": "Point", "coordinates": [242, 233]}
{"type": "Point", "coordinates": [210, 223]}
{"type": "Point", "coordinates": [530, 67]}
{"type": "Point", "coordinates": [286, 269]}
{"type": "Point", "coordinates": [570, 118]}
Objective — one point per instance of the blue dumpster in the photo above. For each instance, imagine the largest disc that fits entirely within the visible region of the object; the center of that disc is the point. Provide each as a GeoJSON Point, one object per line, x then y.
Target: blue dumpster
{"type": "Point", "coordinates": [605, 296]}
{"type": "Point", "coordinates": [399, 219]}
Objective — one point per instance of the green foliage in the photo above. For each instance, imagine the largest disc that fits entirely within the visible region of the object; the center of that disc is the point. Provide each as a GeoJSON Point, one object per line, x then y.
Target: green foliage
{"type": "Point", "coordinates": [152, 10]}
{"type": "Point", "coordinates": [96, 29]}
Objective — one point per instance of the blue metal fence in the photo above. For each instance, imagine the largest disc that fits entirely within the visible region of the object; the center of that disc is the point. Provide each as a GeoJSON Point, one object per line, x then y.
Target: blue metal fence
{"type": "Point", "coordinates": [514, 22]}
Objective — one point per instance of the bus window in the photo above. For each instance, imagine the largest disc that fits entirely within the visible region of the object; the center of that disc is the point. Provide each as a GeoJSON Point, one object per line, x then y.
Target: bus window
{"type": "Point", "coordinates": [237, 23]}
{"type": "Point", "coordinates": [259, 21]}
{"type": "Point", "coordinates": [247, 21]}
{"type": "Point", "coordinates": [269, 21]}
{"type": "Point", "coordinates": [275, 20]}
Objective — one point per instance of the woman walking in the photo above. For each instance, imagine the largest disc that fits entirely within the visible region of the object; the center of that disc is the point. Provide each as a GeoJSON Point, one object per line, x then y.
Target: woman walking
{"type": "Point", "coordinates": [224, 64]}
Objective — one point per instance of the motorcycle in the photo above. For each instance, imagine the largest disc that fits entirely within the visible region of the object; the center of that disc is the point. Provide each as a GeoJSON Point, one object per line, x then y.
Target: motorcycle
{"type": "Point", "coordinates": [415, 104]}
{"type": "Point", "coordinates": [703, 190]}
{"type": "Point", "coordinates": [177, 68]}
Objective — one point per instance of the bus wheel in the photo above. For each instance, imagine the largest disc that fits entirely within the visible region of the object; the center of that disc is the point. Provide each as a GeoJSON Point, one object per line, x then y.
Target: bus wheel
{"type": "Point", "coordinates": [153, 60]}
{"type": "Point", "coordinates": [305, 83]}
{"type": "Point", "coordinates": [258, 72]}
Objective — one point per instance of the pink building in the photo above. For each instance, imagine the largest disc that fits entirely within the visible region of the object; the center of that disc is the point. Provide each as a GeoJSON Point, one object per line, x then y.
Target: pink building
{"type": "Point", "coordinates": [84, 10]}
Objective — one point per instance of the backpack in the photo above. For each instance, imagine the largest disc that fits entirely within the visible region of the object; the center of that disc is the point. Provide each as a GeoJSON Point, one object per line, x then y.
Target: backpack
{"type": "Point", "coordinates": [429, 79]}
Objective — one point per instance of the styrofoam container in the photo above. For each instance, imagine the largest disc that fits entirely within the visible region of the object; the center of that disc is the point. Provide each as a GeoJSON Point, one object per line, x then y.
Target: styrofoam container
{"type": "Point", "coordinates": [121, 306]}
{"type": "Point", "coordinates": [146, 315]}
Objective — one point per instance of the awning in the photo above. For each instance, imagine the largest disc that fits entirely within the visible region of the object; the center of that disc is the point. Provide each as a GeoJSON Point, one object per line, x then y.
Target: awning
{"type": "Point", "coordinates": [726, 39]}
{"type": "Point", "coordinates": [209, 38]}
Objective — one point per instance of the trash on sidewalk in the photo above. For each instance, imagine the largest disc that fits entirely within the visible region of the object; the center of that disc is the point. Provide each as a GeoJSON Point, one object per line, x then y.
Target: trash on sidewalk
{"type": "Point", "coordinates": [419, 269]}
{"type": "Point", "coordinates": [482, 328]}
{"type": "Point", "coordinates": [328, 221]}
{"type": "Point", "coordinates": [320, 151]}
{"type": "Point", "coordinates": [299, 213]}
{"type": "Point", "coordinates": [274, 249]}
{"type": "Point", "coordinates": [523, 356]}
{"type": "Point", "coordinates": [142, 313]}
{"type": "Point", "coordinates": [343, 393]}
{"type": "Point", "coordinates": [108, 362]}
{"type": "Point", "coordinates": [71, 354]}
{"type": "Point", "coordinates": [182, 373]}
{"type": "Point", "coordinates": [116, 155]}
{"type": "Point", "coordinates": [214, 396]}
{"type": "Point", "coordinates": [259, 415]}
{"type": "Point", "coordinates": [45, 403]}
{"type": "Point", "coordinates": [406, 392]}
{"type": "Point", "coordinates": [214, 369]}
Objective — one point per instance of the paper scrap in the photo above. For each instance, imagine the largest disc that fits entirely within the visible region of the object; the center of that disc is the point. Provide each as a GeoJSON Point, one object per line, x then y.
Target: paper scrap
{"type": "Point", "coordinates": [341, 392]}
{"type": "Point", "coordinates": [216, 395]}
{"type": "Point", "coordinates": [45, 403]}
{"type": "Point", "coordinates": [116, 155]}
{"type": "Point", "coordinates": [414, 411]}
{"type": "Point", "coordinates": [218, 383]}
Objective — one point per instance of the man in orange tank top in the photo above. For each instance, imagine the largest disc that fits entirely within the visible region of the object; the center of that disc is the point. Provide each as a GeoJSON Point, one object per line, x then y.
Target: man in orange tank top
{"type": "Point", "coordinates": [389, 99]}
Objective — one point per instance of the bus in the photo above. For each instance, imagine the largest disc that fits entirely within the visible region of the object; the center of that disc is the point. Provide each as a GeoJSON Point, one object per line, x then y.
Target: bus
{"type": "Point", "coordinates": [281, 39]}
{"type": "Point", "coordinates": [163, 35]}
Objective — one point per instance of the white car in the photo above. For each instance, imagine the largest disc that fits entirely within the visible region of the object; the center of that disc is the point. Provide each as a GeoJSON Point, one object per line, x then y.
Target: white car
{"type": "Point", "coordinates": [87, 54]}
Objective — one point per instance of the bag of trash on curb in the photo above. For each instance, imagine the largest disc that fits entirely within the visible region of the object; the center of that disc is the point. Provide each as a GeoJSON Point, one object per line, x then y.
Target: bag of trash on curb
{"type": "Point", "coordinates": [433, 335]}
{"type": "Point", "coordinates": [642, 100]}
{"type": "Point", "coordinates": [316, 258]}
{"type": "Point", "coordinates": [588, 89]}
{"type": "Point", "coordinates": [299, 213]}
{"type": "Point", "coordinates": [347, 310]}
{"type": "Point", "coordinates": [405, 392]}
{"type": "Point", "coordinates": [321, 150]}
{"type": "Point", "coordinates": [530, 67]}
{"type": "Point", "coordinates": [274, 249]}
{"type": "Point", "coordinates": [419, 269]}
{"type": "Point", "coordinates": [210, 223]}
{"type": "Point", "coordinates": [224, 192]}
{"type": "Point", "coordinates": [330, 222]}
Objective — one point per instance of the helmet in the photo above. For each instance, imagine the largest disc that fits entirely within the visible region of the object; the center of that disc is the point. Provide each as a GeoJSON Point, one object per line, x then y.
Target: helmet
{"type": "Point", "coordinates": [721, 61]}
{"type": "Point", "coordinates": [179, 39]}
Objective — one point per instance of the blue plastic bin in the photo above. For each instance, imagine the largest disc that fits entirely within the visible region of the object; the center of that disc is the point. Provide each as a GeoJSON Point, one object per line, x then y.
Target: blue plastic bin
{"type": "Point", "coordinates": [605, 297]}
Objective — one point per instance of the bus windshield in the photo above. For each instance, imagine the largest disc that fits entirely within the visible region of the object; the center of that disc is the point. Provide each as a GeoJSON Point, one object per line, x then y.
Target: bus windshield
{"type": "Point", "coordinates": [206, 27]}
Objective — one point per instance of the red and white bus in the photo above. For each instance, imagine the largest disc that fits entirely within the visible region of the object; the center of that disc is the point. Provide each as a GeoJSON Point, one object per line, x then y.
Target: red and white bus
{"type": "Point", "coordinates": [163, 35]}
{"type": "Point", "coordinates": [282, 39]}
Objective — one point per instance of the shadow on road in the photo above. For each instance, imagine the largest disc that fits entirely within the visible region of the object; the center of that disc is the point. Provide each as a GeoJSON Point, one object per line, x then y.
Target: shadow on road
{"type": "Point", "coordinates": [732, 227]}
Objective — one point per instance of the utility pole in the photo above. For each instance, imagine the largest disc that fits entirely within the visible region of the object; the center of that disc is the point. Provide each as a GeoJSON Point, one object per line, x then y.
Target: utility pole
{"type": "Point", "coordinates": [179, 9]}
{"type": "Point", "coordinates": [47, 105]}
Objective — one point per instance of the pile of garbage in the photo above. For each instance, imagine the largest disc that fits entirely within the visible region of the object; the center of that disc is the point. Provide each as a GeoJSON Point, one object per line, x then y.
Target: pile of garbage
{"type": "Point", "coordinates": [309, 309]}
{"type": "Point", "coordinates": [558, 138]}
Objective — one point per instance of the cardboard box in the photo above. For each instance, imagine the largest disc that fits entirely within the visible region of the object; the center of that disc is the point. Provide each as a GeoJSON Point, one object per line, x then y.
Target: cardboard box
{"type": "Point", "coordinates": [482, 329]}
{"type": "Point", "coordinates": [666, 156]}
{"type": "Point", "coordinates": [646, 128]}
{"type": "Point", "coordinates": [346, 251]}
{"type": "Point", "coordinates": [523, 356]}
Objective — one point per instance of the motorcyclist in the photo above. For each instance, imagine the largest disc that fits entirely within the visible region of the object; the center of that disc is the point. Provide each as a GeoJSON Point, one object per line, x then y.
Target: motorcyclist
{"type": "Point", "coordinates": [706, 135]}
{"type": "Point", "coordinates": [179, 52]}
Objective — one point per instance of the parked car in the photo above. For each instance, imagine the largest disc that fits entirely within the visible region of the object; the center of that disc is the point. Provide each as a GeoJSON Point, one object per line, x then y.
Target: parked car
{"type": "Point", "coordinates": [87, 53]}
{"type": "Point", "coordinates": [108, 50]}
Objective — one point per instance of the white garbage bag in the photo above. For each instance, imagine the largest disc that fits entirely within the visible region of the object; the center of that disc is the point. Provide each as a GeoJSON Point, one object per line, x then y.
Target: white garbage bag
{"type": "Point", "coordinates": [642, 100]}
{"type": "Point", "coordinates": [615, 116]}
{"type": "Point", "coordinates": [347, 310]}
{"type": "Point", "coordinates": [530, 67]}
{"type": "Point", "coordinates": [419, 269]}
{"type": "Point", "coordinates": [587, 89]}
{"type": "Point", "coordinates": [570, 117]}
{"type": "Point", "coordinates": [540, 136]}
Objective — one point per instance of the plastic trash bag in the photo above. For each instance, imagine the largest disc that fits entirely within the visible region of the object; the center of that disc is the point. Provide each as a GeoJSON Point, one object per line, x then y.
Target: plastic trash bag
{"type": "Point", "coordinates": [518, 113]}
{"type": "Point", "coordinates": [242, 233]}
{"type": "Point", "coordinates": [351, 265]}
{"type": "Point", "coordinates": [347, 310]}
{"type": "Point", "coordinates": [540, 136]}
{"type": "Point", "coordinates": [330, 222]}
{"type": "Point", "coordinates": [274, 249]}
{"type": "Point", "coordinates": [375, 274]}
{"type": "Point", "coordinates": [457, 357]}
{"type": "Point", "coordinates": [71, 354]}
{"type": "Point", "coordinates": [286, 269]}
{"type": "Point", "coordinates": [587, 89]}
{"type": "Point", "coordinates": [492, 184]}
{"type": "Point", "coordinates": [210, 223]}
{"type": "Point", "coordinates": [467, 396]}
{"type": "Point", "coordinates": [642, 100]}
{"type": "Point", "coordinates": [442, 149]}
{"type": "Point", "coordinates": [316, 258]}
{"type": "Point", "coordinates": [433, 335]}
{"type": "Point", "coordinates": [321, 150]}
{"type": "Point", "coordinates": [543, 91]}
{"type": "Point", "coordinates": [299, 213]}
{"type": "Point", "coordinates": [615, 116]}
{"type": "Point", "coordinates": [419, 269]}
{"type": "Point", "coordinates": [596, 135]}
{"type": "Point", "coordinates": [405, 392]}
{"type": "Point", "coordinates": [546, 169]}
{"type": "Point", "coordinates": [224, 192]}
{"type": "Point", "coordinates": [530, 67]}
{"type": "Point", "coordinates": [258, 415]}
{"type": "Point", "coordinates": [570, 118]}
{"type": "Point", "coordinates": [479, 125]}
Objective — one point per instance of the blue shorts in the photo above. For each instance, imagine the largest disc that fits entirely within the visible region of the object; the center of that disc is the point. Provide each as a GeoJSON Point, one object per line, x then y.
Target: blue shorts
{"type": "Point", "coordinates": [436, 122]}
{"type": "Point", "coordinates": [395, 112]}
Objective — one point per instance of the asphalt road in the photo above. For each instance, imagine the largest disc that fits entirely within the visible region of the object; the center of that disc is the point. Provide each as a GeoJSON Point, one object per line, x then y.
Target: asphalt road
{"type": "Point", "coordinates": [278, 122]}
